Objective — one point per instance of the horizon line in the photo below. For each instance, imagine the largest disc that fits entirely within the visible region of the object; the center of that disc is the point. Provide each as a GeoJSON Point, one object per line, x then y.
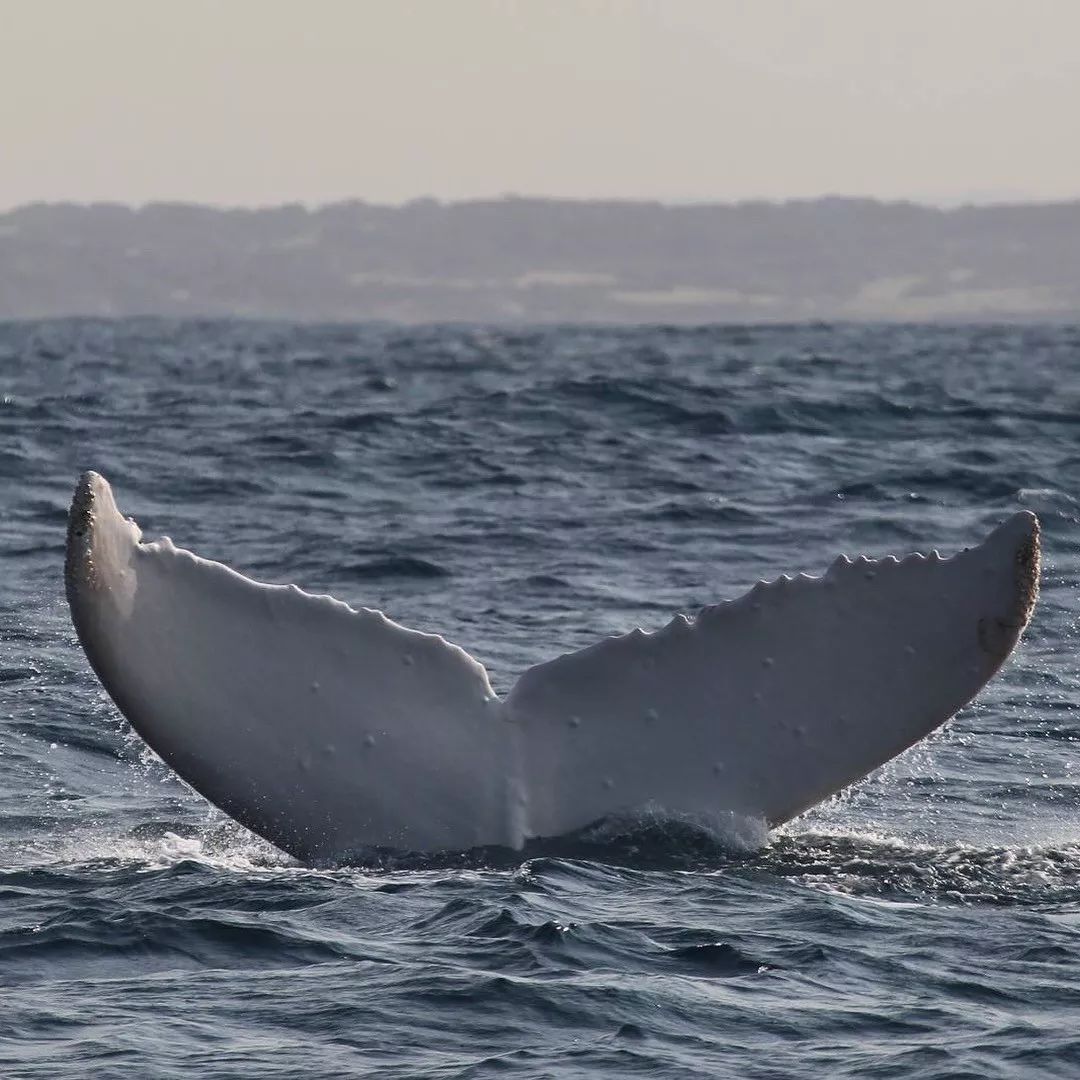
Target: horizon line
{"type": "Point", "coordinates": [943, 204]}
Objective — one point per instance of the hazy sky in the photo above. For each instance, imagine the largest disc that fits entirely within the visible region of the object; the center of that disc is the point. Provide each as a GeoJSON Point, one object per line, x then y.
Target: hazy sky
{"type": "Point", "coordinates": [264, 101]}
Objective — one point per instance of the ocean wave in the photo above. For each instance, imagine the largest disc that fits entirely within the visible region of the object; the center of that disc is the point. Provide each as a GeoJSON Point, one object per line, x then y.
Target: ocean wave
{"type": "Point", "coordinates": [893, 868]}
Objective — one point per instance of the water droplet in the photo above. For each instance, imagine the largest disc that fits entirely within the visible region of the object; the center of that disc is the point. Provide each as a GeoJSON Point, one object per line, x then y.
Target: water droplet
{"type": "Point", "coordinates": [651, 716]}
{"type": "Point", "coordinates": [767, 661]}
{"type": "Point", "coordinates": [608, 783]}
{"type": "Point", "coordinates": [407, 660]}
{"type": "Point", "coordinates": [574, 721]}
{"type": "Point", "coordinates": [369, 741]}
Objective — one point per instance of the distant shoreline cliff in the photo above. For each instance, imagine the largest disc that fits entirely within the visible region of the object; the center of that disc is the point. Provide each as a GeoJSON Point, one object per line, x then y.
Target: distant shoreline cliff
{"type": "Point", "coordinates": [518, 260]}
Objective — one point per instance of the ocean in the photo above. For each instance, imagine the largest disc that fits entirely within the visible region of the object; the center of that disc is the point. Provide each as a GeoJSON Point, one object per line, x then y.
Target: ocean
{"type": "Point", "coordinates": [526, 492]}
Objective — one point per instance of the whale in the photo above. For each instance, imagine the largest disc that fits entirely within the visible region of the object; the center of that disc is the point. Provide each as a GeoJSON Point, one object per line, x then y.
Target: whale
{"type": "Point", "coordinates": [331, 730]}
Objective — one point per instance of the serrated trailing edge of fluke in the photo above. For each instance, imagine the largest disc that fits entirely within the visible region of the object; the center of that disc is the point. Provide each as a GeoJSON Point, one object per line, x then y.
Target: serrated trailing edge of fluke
{"type": "Point", "coordinates": [79, 535]}
{"type": "Point", "coordinates": [1028, 571]}
{"type": "Point", "coordinates": [764, 592]}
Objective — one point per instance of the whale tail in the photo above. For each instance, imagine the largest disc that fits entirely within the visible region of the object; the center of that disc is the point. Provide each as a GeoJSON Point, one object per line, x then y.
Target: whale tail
{"type": "Point", "coordinates": [330, 730]}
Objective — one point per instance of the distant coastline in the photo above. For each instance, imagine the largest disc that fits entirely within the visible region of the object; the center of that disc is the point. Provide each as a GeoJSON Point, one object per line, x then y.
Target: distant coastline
{"type": "Point", "coordinates": [531, 260]}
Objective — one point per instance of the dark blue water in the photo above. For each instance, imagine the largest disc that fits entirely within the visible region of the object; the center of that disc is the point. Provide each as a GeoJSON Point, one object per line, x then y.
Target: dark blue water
{"type": "Point", "coordinates": [524, 492]}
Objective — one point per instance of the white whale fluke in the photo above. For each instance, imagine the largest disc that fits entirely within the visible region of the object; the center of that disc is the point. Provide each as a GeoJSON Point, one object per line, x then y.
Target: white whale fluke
{"type": "Point", "coordinates": [329, 730]}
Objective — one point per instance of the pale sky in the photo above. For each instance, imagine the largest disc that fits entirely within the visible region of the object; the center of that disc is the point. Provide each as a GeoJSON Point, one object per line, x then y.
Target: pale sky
{"type": "Point", "coordinates": [252, 102]}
